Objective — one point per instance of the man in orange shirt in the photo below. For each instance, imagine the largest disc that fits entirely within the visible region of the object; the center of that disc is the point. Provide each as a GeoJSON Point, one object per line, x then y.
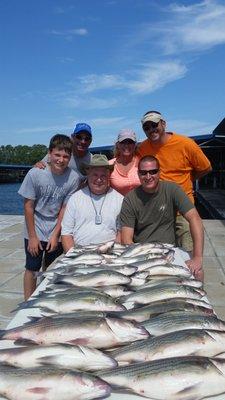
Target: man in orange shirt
{"type": "Point", "coordinates": [181, 161]}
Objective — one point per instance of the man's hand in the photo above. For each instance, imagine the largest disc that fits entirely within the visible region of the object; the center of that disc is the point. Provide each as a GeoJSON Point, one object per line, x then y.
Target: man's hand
{"type": "Point", "coordinates": [195, 265]}
{"type": "Point", "coordinates": [34, 245]}
{"type": "Point", "coordinates": [40, 165]}
{"type": "Point", "coordinates": [52, 243]}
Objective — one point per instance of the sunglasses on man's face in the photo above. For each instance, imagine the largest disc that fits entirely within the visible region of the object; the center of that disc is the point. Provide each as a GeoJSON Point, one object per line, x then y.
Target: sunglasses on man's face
{"type": "Point", "coordinates": [144, 172]}
{"type": "Point", "coordinates": [150, 126]}
{"type": "Point", "coordinates": [83, 138]}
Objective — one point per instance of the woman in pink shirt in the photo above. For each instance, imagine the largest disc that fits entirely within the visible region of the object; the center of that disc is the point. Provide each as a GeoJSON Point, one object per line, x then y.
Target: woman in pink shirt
{"type": "Point", "coordinates": [124, 176]}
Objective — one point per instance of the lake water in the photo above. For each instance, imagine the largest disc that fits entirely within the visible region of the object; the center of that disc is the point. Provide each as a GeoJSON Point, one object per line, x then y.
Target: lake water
{"type": "Point", "coordinates": [10, 202]}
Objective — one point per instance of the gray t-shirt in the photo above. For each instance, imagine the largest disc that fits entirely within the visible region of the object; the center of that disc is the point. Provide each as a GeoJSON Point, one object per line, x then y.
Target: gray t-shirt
{"type": "Point", "coordinates": [79, 216]}
{"type": "Point", "coordinates": [153, 215]}
{"type": "Point", "coordinates": [50, 192]}
{"type": "Point", "coordinates": [75, 163]}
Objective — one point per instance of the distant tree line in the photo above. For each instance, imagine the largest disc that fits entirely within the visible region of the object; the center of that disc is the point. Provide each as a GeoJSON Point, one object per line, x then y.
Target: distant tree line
{"type": "Point", "coordinates": [25, 155]}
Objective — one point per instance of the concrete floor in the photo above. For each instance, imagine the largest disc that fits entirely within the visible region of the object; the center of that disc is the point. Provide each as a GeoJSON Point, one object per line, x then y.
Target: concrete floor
{"type": "Point", "coordinates": [12, 265]}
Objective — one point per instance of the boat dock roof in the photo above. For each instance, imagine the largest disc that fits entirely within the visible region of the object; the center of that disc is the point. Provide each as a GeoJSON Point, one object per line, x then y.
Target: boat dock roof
{"type": "Point", "coordinates": [12, 265]}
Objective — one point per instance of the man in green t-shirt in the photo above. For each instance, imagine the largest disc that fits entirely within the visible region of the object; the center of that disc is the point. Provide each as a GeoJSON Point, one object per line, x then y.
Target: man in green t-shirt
{"type": "Point", "coordinates": [149, 212]}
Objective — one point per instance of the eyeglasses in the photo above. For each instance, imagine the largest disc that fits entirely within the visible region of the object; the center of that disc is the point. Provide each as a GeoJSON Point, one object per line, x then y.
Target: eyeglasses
{"type": "Point", "coordinates": [83, 138]}
{"type": "Point", "coordinates": [144, 172]}
{"type": "Point", "coordinates": [150, 126]}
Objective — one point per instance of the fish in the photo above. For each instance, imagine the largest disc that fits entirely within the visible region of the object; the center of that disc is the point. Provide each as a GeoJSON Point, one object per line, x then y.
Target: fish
{"type": "Point", "coordinates": [148, 295]}
{"type": "Point", "coordinates": [144, 248]}
{"type": "Point", "coordinates": [79, 301]}
{"type": "Point", "coordinates": [131, 260]}
{"type": "Point", "coordinates": [172, 281]}
{"type": "Point", "coordinates": [121, 268]}
{"type": "Point", "coordinates": [163, 268]}
{"type": "Point", "coordinates": [59, 355]}
{"type": "Point", "coordinates": [170, 322]}
{"type": "Point", "coordinates": [72, 270]}
{"type": "Point", "coordinates": [90, 258]}
{"type": "Point", "coordinates": [146, 264]}
{"type": "Point", "coordinates": [76, 314]}
{"type": "Point", "coordinates": [197, 342]}
{"type": "Point", "coordinates": [100, 278]}
{"type": "Point", "coordinates": [94, 332]}
{"type": "Point", "coordinates": [53, 289]}
{"type": "Point", "coordinates": [114, 291]}
{"type": "Point", "coordinates": [180, 378]}
{"type": "Point", "coordinates": [174, 285]}
{"type": "Point", "coordinates": [148, 311]}
{"type": "Point", "coordinates": [50, 383]}
{"type": "Point", "coordinates": [105, 247]}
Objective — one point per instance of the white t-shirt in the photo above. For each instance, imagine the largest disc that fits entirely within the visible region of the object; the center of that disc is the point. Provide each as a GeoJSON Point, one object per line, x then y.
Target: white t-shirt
{"type": "Point", "coordinates": [80, 214]}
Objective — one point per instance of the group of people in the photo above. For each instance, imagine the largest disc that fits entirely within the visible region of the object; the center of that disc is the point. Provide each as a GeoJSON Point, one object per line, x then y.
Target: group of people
{"type": "Point", "coordinates": [143, 194]}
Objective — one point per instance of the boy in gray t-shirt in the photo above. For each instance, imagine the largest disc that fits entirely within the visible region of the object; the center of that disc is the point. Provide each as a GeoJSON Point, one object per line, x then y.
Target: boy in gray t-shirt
{"type": "Point", "coordinates": [46, 192]}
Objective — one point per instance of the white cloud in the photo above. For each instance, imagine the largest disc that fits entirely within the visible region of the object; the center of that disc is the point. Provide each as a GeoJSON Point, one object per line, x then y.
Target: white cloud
{"type": "Point", "coordinates": [195, 27]}
{"type": "Point", "coordinates": [69, 33]}
{"type": "Point", "coordinates": [156, 75]}
{"type": "Point", "coordinates": [93, 82]}
{"type": "Point", "coordinates": [146, 79]}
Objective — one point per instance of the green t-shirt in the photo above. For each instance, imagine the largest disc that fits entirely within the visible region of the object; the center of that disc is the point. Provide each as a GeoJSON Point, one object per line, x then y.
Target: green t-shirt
{"type": "Point", "coordinates": [153, 215]}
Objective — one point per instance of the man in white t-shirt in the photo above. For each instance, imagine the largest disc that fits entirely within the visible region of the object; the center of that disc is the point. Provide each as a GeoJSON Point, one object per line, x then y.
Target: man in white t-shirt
{"type": "Point", "coordinates": [92, 213]}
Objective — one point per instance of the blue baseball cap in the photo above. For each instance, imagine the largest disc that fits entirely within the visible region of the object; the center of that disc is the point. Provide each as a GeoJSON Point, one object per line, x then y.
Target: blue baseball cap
{"type": "Point", "coordinates": [82, 127]}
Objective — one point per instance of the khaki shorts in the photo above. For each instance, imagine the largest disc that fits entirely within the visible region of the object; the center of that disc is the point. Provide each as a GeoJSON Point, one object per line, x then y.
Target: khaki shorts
{"type": "Point", "coordinates": [183, 234]}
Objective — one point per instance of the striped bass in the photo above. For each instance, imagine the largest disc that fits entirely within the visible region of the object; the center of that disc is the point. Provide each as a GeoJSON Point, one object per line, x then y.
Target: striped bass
{"type": "Point", "coordinates": [151, 282]}
{"type": "Point", "coordinates": [50, 384]}
{"type": "Point", "coordinates": [175, 344]}
{"type": "Point", "coordinates": [100, 278]}
{"type": "Point", "coordinates": [93, 332]}
{"type": "Point", "coordinates": [148, 295]}
{"type": "Point", "coordinates": [65, 303]}
{"type": "Point", "coordinates": [178, 378]}
{"type": "Point", "coordinates": [161, 307]}
{"type": "Point", "coordinates": [59, 355]}
{"type": "Point", "coordinates": [163, 268]}
{"type": "Point", "coordinates": [170, 322]}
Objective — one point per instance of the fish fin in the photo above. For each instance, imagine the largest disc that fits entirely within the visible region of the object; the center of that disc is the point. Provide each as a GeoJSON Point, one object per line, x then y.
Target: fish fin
{"type": "Point", "coordinates": [30, 304]}
{"type": "Point", "coordinates": [189, 396]}
{"type": "Point", "coordinates": [45, 312]}
{"type": "Point", "coordinates": [33, 319]}
{"type": "Point", "coordinates": [45, 360]}
{"type": "Point", "coordinates": [24, 341]}
{"type": "Point", "coordinates": [2, 333]}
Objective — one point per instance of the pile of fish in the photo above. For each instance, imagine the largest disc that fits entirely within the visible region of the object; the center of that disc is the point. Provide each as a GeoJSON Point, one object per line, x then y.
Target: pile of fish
{"type": "Point", "coordinates": [116, 318]}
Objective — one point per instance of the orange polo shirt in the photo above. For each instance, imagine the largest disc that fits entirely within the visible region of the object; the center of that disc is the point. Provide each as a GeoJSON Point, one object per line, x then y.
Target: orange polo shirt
{"type": "Point", "coordinates": [179, 157]}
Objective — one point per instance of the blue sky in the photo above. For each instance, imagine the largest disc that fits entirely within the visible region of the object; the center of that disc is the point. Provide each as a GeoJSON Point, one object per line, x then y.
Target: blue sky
{"type": "Point", "coordinates": [107, 62]}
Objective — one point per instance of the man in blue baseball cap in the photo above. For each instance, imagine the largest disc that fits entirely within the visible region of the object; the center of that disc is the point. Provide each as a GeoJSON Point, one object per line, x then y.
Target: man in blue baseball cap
{"type": "Point", "coordinates": [81, 138]}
